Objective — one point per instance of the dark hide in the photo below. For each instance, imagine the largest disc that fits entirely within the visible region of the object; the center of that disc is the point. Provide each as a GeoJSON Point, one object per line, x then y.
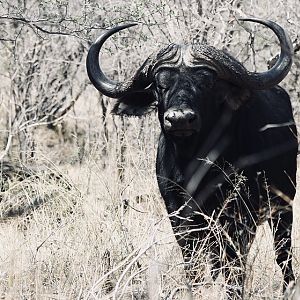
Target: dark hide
{"type": "Point", "coordinates": [234, 171]}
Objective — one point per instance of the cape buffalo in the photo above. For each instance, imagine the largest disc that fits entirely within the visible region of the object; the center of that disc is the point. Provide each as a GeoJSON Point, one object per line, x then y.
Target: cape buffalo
{"type": "Point", "coordinates": [226, 158]}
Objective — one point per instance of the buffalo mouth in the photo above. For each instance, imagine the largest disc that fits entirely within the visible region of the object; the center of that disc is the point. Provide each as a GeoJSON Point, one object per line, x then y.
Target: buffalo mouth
{"type": "Point", "coordinates": [181, 132]}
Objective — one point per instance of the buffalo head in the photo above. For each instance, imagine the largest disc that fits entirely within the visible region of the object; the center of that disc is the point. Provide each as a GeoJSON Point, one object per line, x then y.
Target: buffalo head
{"type": "Point", "coordinates": [183, 81]}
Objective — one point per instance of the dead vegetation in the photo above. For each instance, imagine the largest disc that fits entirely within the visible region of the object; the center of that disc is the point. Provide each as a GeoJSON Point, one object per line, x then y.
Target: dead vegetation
{"type": "Point", "coordinates": [80, 212]}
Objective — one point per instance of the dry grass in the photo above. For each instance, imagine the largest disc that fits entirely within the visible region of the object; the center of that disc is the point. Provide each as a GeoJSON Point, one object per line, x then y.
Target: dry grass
{"type": "Point", "coordinates": [100, 238]}
{"type": "Point", "coordinates": [87, 234]}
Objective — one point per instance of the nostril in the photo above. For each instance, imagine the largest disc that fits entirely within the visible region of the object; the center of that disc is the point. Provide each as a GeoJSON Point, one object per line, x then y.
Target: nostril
{"type": "Point", "coordinates": [170, 117]}
{"type": "Point", "coordinates": [192, 118]}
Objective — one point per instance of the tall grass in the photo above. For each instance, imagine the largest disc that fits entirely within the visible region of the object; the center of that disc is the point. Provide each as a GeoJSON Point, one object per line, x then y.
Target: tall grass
{"type": "Point", "coordinates": [89, 222]}
{"type": "Point", "coordinates": [99, 238]}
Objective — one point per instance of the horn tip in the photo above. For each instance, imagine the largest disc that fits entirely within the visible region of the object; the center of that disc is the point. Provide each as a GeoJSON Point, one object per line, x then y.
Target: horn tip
{"type": "Point", "coordinates": [128, 25]}
{"type": "Point", "coordinates": [267, 23]}
{"type": "Point", "coordinates": [250, 19]}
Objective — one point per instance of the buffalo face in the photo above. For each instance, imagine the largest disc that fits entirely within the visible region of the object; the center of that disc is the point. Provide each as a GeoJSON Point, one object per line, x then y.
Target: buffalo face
{"type": "Point", "coordinates": [181, 94]}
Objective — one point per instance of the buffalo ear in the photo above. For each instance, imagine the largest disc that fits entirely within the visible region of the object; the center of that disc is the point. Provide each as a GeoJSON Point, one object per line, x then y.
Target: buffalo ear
{"type": "Point", "coordinates": [135, 104]}
{"type": "Point", "coordinates": [233, 96]}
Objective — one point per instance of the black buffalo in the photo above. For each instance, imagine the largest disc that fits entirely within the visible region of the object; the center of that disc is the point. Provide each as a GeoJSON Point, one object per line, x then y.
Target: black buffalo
{"type": "Point", "coordinates": [226, 157]}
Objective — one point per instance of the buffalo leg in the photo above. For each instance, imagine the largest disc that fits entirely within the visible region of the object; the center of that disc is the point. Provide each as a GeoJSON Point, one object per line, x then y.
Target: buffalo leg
{"type": "Point", "coordinates": [216, 266]}
{"type": "Point", "coordinates": [190, 245]}
{"type": "Point", "coordinates": [281, 223]}
{"type": "Point", "coordinates": [234, 266]}
{"type": "Point", "coordinates": [225, 258]}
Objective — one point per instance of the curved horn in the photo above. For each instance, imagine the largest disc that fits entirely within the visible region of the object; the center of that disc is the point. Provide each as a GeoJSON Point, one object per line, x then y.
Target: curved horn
{"type": "Point", "coordinates": [230, 69]}
{"type": "Point", "coordinates": [105, 85]}
{"type": "Point", "coordinates": [283, 65]}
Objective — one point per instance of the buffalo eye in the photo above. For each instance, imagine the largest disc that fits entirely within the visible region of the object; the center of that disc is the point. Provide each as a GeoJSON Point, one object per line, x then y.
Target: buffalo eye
{"type": "Point", "coordinates": [205, 78]}
{"type": "Point", "coordinates": [164, 79]}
